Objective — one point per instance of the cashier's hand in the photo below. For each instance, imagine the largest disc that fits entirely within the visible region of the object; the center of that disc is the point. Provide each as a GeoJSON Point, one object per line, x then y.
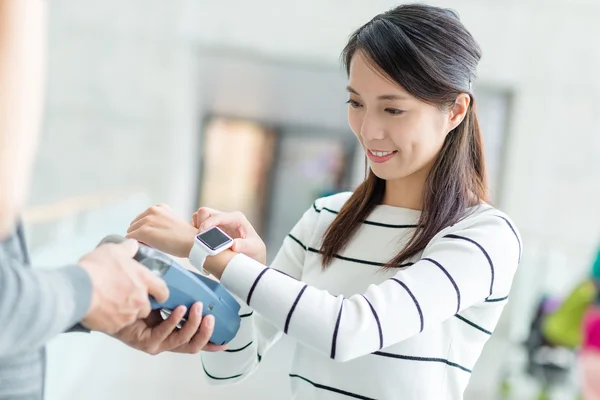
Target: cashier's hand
{"type": "Point", "coordinates": [161, 228]}
{"type": "Point", "coordinates": [154, 336]}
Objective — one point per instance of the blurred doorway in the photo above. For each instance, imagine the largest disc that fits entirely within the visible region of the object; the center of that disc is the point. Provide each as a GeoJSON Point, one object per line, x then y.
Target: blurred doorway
{"type": "Point", "coordinates": [308, 166]}
{"type": "Point", "coordinates": [237, 162]}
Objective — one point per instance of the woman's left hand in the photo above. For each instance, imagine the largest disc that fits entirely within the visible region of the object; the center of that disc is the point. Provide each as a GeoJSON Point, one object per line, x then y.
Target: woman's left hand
{"type": "Point", "coordinates": [161, 228]}
{"type": "Point", "coordinates": [235, 224]}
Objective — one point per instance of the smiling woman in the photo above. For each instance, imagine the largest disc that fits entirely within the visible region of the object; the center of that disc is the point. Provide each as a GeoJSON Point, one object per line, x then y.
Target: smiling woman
{"type": "Point", "coordinates": [412, 110]}
{"type": "Point", "coordinates": [400, 283]}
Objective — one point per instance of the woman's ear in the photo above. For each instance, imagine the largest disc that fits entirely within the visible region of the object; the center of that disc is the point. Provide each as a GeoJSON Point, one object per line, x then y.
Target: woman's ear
{"type": "Point", "coordinates": [459, 110]}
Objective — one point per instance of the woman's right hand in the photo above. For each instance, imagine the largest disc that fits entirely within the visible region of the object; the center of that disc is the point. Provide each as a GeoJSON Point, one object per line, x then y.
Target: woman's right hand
{"type": "Point", "coordinates": [236, 225]}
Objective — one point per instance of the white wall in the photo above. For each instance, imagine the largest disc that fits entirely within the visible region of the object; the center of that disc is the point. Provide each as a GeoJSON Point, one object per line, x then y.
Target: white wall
{"type": "Point", "coordinates": [113, 68]}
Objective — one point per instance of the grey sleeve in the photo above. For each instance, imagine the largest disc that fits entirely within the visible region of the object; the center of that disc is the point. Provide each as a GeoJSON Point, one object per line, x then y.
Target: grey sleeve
{"type": "Point", "coordinates": [36, 305]}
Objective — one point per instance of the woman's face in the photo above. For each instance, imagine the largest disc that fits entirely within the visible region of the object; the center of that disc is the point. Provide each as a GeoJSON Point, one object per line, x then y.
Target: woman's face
{"type": "Point", "coordinates": [400, 134]}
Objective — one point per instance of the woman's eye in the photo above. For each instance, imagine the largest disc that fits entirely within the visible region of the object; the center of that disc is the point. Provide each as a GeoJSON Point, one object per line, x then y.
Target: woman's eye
{"type": "Point", "coordinates": [353, 104]}
{"type": "Point", "coordinates": [393, 111]}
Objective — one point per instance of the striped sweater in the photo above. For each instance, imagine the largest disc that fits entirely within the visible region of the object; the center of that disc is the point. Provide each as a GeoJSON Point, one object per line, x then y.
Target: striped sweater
{"type": "Point", "coordinates": [412, 333]}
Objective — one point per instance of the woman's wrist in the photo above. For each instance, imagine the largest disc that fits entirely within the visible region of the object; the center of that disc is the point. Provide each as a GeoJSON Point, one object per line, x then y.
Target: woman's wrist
{"type": "Point", "coordinates": [185, 249]}
{"type": "Point", "coordinates": [216, 264]}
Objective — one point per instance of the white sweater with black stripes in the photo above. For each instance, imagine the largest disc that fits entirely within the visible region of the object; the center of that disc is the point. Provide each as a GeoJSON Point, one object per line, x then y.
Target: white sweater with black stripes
{"type": "Point", "coordinates": [412, 333]}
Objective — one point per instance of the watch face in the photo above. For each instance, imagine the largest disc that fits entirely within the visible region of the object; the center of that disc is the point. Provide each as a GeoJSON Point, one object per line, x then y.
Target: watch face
{"type": "Point", "coordinates": [214, 238]}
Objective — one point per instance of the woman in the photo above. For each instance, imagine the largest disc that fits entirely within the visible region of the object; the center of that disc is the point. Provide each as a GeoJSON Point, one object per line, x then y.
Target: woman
{"type": "Point", "coordinates": [390, 291]}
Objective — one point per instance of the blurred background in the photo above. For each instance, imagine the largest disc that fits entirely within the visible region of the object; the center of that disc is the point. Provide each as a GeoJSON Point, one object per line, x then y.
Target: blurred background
{"type": "Point", "coordinates": [239, 105]}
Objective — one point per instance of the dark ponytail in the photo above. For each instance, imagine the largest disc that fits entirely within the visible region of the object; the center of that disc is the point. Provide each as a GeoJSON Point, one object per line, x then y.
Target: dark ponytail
{"type": "Point", "coordinates": [428, 52]}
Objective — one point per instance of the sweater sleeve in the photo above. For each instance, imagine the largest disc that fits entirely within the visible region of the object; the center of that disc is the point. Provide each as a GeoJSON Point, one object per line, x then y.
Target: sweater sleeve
{"type": "Point", "coordinates": [470, 266]}
{"type": "Point", "coordinates": [257, 334]}
{"type": "Point", "coordinates": [36, 305]}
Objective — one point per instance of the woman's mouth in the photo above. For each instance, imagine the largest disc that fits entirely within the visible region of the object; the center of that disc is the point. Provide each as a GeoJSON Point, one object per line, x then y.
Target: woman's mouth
{"type": "Point", "coordinates": [379, 156]}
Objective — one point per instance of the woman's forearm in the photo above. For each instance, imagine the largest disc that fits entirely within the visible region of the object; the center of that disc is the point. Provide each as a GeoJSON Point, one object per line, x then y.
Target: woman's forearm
{"type": "Point", "coordinates": [216, 264]}
{"type": "Point", "coordinates": [22, 65]}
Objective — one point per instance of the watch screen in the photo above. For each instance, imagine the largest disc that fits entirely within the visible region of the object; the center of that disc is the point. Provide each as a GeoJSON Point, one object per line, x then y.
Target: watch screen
{"type": "Point", "coordinates": [214, 238]}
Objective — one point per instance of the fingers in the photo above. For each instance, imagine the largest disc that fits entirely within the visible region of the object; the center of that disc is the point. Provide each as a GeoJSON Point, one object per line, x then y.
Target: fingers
{"type": "Point", "coordinates": [202, 337]}
{"type": "Point", "coordinates": [242, 231]}
{"type": "Point", "coordinates": [134, 226]}
{"type": "Point", "coordinates": [203, 214]}
{"type": "Point", "coordinates": [213, 348]}
{"type": "Point", "coordinates": [157, 287]}
{"type": "Point", "coordinates": [214, 220]}
{"type": "Point", "coordinates": [145, 309]}
{"type": "Point", "coordinates": [245, 245]}
{"type": "Point", "coordinates": [192, 338]}
{"type": "Point", "coordinates": [154, 319]}
{"type": "Point", "coordinates": [161, 332]}
{"type": "Point", "coordinates": [189, 329]}
{"type": "Point", "coordinates": [234, 224]}
{"type": "Point", "coordinates": [148, 211]}
{"type": "Point", "coordinates": [157, 209]}
{"type": "Point", "coordinates": [238, 245]}
{"type": "Point", "coordinates": [145, 234]}
{"type": "Point", "coordinates": [128, 248]}
{"type": "Point", "coordinates": [134, 330]}
{"type": "Point", "coordinates": [229, 222]}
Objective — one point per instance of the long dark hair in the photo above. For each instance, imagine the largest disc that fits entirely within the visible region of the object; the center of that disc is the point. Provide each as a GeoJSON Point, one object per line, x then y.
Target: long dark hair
{"type": "Point", "coordinates": [428, 52]}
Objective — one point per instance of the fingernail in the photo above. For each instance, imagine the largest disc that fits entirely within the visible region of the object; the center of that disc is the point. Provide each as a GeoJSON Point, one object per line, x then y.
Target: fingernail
{"type": "Point", "coordinates": [183, 311]}
{"type": "Point", "coordinates": [210, 321]}
{"type": "Point", "coordinates": [199, 310]}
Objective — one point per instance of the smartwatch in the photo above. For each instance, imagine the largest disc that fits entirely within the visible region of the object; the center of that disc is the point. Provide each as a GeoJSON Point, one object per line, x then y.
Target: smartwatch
{"type": "Point", "coordinates": [208, 243]}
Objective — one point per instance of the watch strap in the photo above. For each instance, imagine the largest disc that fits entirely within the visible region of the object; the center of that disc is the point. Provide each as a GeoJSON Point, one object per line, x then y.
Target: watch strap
{"type": "Point", "coordinates": [197, 258]}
